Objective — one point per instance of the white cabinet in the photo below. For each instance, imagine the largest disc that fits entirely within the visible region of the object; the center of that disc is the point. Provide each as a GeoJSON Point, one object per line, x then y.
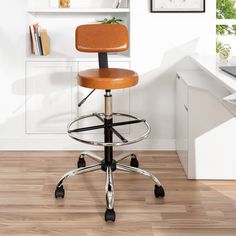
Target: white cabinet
{"type": "Point", "coordinates": [205, 129]}
{"type": "Point", "coordinates": [51, 96]}
{"type": "Point", "coordinates": [52, 93]}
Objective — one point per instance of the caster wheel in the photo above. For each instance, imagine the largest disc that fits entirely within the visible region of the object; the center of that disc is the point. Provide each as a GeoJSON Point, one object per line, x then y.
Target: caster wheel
{"type": "Point", "coordinates": [81, 162]}
{"type": "Point", "coordinates": [159, 192]}
{"type": "Point", "coordinates": [60, 192]}
{"type": "Point", "coordinates": [110, 215]}
{"type": "Point", "coordinates": [134, 161]}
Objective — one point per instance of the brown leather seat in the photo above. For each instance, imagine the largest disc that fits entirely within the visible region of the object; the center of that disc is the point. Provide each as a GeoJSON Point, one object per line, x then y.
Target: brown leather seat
{"type": "Point", "coordinates": [107, 78]}
{"type": "Point", "coordinates": [104, 38]}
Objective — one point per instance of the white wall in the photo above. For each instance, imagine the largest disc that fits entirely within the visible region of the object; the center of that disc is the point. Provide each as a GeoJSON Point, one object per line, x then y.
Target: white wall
{"type": "Point", "coordinates": [159, 43]}
{"type": "Point", "coordinates": [12, 67]}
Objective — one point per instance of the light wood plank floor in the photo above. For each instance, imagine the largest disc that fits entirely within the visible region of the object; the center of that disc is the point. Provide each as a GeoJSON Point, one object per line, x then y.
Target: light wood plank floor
{"type": "Point", "coordinates": [190, 208]}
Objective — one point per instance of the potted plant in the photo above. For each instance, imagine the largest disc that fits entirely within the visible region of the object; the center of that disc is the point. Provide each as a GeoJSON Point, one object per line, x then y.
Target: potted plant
{"type": "Point", "coordinates": [113, 20]}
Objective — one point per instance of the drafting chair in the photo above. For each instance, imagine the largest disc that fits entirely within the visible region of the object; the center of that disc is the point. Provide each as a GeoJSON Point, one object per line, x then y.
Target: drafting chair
{"type": "Point", "coordinates": [102, 39]}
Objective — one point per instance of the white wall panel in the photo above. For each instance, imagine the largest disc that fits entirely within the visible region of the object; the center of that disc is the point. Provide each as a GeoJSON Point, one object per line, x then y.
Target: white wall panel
{"type": "Point", "coordinates": [51, 96]}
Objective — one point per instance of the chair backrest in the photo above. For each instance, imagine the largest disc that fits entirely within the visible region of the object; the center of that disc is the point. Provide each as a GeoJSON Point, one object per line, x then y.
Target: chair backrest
{"type": "Point", "coordinates": [102, 38]}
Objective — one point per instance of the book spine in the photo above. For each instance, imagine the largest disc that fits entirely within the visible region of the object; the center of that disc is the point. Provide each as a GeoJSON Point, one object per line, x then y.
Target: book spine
{"type": "Point", "coordinates": [33, 40]}
{"type": "Point", "coordinates": [36, 40]}
{"type": "Point", "coordinates": [45, 42]}
{"type": "Point", "coordinates": [39, 42]}
{"type": "Point", "coordinates": [41, 45]}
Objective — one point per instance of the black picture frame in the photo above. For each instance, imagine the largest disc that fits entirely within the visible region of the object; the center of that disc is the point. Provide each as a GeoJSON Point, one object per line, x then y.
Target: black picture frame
{"type": "Point", "coordinates": [179, 11]}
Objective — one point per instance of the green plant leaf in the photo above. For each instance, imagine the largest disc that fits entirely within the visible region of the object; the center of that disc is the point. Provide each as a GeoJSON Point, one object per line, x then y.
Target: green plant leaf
{"type": "Point", "coordinates": [113, 20]}
{"type": "Point", "coordinates": [226, 9]}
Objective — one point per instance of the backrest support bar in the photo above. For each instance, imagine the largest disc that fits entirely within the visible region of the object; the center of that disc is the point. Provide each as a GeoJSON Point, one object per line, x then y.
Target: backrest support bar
{"type": "Point", "coordinates": [103, 60]}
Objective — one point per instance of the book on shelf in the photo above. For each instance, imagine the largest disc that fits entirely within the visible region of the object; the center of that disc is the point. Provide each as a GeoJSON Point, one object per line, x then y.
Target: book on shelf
{"type": "Point", "coordinates": [37, 35]}
{"type": "Point", "coordinates": [45, 42]}
{"type": "Point", "coordinates": [117, 3]}
{"type": "Point", "coordinates": [39, 40]}
{"type": "Point", "coordinates": [33, 40]}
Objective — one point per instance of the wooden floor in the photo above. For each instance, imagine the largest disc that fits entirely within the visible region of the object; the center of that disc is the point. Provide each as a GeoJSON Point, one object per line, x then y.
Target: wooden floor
{"type": "Point", "coordinates": [28, 207]}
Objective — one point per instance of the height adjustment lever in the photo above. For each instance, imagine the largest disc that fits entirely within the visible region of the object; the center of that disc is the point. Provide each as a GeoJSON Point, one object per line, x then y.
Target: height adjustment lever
{"type": "Point", "coordinates": [85, 99]}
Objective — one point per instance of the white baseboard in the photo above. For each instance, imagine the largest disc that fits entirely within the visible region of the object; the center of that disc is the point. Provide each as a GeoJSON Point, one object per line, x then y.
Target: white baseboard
{"type": "Point", "coordinates": [65, 143]}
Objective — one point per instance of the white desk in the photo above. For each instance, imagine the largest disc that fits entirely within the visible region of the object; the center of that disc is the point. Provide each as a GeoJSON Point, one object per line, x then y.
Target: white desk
{"type": "Point", "coordinates": [205, 123]}
{"type": "Point", "coordinates": [210, 67]}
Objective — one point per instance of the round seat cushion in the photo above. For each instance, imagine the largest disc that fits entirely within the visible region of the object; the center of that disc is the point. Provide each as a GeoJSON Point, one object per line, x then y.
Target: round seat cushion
{"type": "Point", "coordinates": [107, 78]}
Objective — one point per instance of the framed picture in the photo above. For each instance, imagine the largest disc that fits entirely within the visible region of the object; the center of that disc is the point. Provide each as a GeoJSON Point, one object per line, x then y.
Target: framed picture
{"type": "Point", "coordinates": [177, 6]}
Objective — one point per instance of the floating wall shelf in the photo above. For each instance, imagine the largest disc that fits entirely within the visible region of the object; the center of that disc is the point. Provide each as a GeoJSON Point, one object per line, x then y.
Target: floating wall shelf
{"type": "Point", "coordinates": [78, 57]}
{"type": "Point", "coordinates": [78, 10]}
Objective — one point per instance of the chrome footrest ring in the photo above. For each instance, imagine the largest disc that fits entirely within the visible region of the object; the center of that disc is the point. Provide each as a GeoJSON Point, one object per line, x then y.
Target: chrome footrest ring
{"type": "Point", "coordinates": [76, 137]}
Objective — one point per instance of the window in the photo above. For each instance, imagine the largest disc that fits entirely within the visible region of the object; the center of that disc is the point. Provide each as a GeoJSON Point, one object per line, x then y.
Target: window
{"type": "Point", "coordinates": [226, 25]}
